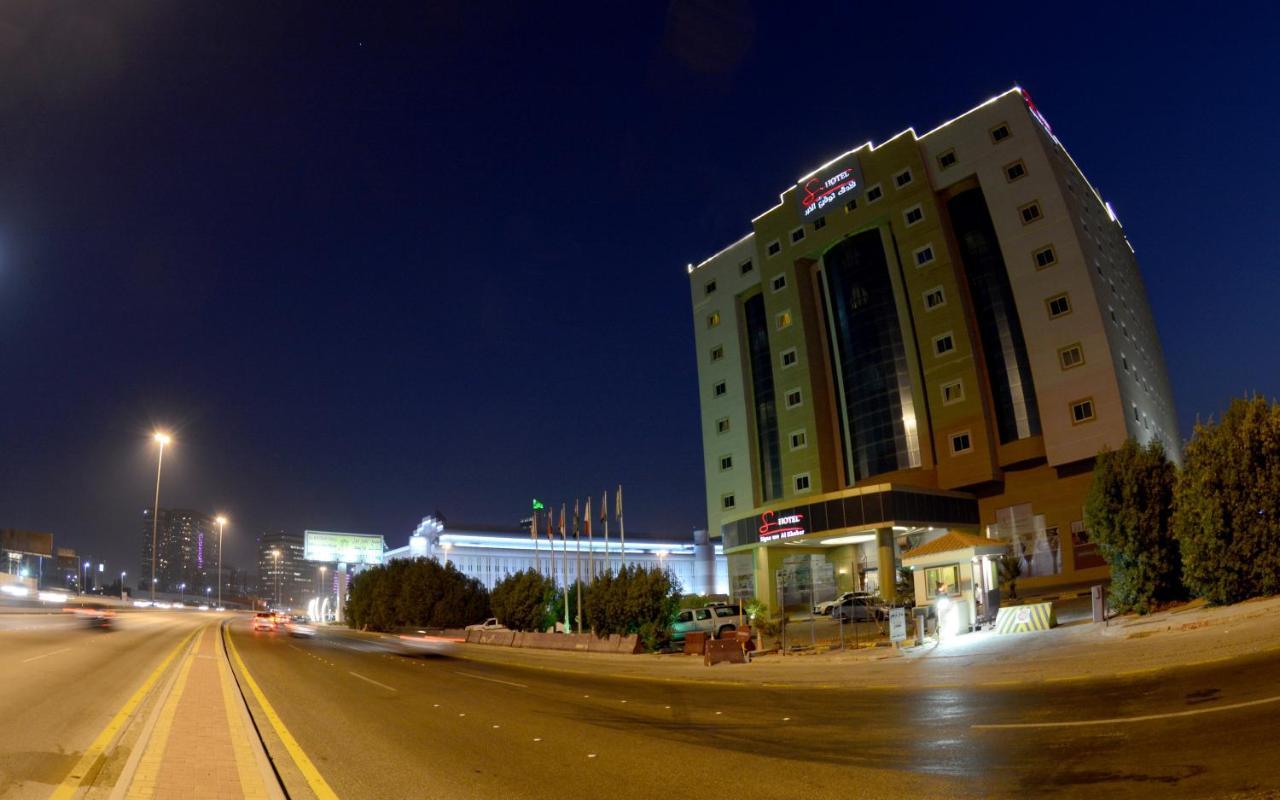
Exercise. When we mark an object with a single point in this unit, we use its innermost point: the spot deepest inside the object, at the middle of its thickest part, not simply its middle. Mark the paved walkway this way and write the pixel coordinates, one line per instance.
(197, 745)
(1189, 635)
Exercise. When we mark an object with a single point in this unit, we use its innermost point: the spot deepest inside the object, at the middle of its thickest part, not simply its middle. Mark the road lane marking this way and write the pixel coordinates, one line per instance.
(1119, 720)
(315, 780)
(70, 784)
(493, 680)
(371, 680)
(46, 655)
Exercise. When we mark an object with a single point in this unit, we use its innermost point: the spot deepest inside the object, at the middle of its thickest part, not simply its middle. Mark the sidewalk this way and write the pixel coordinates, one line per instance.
(197, 744)
(1129, 646)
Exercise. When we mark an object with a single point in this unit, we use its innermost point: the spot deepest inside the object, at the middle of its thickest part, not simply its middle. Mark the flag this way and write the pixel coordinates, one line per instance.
(591, 548)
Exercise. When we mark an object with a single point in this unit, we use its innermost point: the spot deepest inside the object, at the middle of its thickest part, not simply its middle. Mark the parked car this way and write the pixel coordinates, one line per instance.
(263, 621)
(863, 608)
(490, 624)
(824, 608)
(715, 620)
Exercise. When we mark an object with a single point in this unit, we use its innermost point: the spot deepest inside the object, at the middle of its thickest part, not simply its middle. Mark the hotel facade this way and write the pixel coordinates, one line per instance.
(933, 333)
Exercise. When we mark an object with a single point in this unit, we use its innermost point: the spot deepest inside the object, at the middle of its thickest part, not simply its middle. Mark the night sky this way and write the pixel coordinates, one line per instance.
(369, 264)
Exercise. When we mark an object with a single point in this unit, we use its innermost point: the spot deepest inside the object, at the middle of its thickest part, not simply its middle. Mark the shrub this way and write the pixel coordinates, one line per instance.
(1128, 514)
(1227, 505)
(415, 593)
(520, 601)
(635, 600)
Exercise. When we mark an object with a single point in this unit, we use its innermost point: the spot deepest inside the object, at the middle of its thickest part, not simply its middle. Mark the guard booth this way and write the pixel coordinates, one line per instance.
(953, 573)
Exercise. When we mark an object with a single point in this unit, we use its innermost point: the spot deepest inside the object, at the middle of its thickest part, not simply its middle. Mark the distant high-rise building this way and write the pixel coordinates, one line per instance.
(186, 542)
(286, 580)
(935, 332)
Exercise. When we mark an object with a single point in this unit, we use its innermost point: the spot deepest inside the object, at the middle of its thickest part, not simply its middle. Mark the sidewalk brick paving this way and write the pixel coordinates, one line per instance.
(199, 749)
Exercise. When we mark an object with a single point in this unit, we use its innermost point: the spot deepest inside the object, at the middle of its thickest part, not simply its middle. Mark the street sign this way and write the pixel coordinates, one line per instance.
(897, 624)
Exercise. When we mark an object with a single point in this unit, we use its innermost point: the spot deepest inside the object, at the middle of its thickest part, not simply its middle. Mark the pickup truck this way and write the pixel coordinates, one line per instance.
(714, 620)
(490, 624)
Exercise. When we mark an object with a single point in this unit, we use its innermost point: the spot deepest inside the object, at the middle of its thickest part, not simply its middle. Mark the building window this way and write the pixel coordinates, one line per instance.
(746, 267)
(799, 440)
(902, 178)
(778, 283)
(717, 352)
(934, 298)
(726, 463)
(1045, 257)
(942, 581)
(782, 319)
(1071, 356)
(727, 502)
(711, 286)
(1124, 362)
(947, 158)
(961, 443)
(797, 234)
(1059, 306)
(1082, 411)
(1000, 132)
(722, 425)
(913, 215)
(924, 255)
(943, 344)
(774, 248)
(819, 223)
(788, 357)
(800, 482)
(852, 205)
(1014, 171)
(1136, 416)
(713, 319)
(720, 389)
(874, 193)
(794, 399)
(952, 392)
(1030, 213)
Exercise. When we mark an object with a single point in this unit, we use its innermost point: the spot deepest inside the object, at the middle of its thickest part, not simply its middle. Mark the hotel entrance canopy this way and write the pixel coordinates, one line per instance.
(852, 516)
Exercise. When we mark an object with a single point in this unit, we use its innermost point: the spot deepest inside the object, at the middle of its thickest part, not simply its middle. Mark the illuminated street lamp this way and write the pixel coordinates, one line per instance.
(84, 584)
(222, 523)
(182, 594)
(161, 439)
(122, 585)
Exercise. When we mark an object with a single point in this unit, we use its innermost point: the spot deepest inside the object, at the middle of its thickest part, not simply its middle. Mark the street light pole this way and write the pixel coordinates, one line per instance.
(222, 523)
(182, 594)
(122, 585)
(84, 584)
(162, 439)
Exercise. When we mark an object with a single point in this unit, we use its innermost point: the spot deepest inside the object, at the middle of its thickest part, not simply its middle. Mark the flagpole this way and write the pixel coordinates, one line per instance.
(591, 547)
(604, 519)
(533, 530)
(577, 562)
(622, 530)
(564, 567)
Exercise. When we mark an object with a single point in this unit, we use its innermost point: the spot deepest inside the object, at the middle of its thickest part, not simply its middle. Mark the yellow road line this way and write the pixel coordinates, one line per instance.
(80, 771)
(308, 769)
(143, 785)
(251, 781)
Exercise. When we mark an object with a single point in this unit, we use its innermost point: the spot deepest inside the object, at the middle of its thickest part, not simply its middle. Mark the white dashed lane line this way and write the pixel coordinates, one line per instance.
(491, 680)
(371, 680)
(45, 655)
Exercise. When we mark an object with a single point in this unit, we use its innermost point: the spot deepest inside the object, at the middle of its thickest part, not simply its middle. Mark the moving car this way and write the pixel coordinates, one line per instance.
(714, 620)
(490, 624)
(297, 626)
(262, 621)
(861, 608)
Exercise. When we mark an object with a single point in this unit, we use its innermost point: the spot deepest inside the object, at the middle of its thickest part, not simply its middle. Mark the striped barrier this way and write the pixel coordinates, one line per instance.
(1021, 619)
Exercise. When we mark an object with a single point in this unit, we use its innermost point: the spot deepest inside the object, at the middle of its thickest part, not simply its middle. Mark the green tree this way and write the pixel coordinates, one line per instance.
(520, 601)
(1128, 513)
(418, 593)
(634, 600)
(1227, 504)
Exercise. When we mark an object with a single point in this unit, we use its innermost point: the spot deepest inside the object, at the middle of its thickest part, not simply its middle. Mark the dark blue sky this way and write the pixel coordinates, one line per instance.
(369, 264)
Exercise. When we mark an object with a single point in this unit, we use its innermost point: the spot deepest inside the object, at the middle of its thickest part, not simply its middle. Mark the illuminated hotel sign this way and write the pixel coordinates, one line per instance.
(818, 194)
(774, 527)
(351, 548)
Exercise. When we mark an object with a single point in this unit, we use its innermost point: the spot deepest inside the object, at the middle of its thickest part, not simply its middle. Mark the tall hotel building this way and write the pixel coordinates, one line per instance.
(934, 333)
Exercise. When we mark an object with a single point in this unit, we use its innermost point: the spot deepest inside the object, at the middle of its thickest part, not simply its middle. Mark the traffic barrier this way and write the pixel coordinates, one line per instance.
(695, 643)
(1022, 619)
(728, 650)
(580, 642)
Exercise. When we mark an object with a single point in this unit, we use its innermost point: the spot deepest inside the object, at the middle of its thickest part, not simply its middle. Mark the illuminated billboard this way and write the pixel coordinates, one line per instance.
(825, 190)
(349, 548)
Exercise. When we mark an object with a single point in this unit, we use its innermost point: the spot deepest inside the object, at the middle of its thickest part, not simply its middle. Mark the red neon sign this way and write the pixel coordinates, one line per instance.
(774, 527)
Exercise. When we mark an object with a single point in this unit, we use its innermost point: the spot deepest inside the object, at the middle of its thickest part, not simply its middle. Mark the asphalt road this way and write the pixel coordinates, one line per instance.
(381, 725)
(61, 683)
